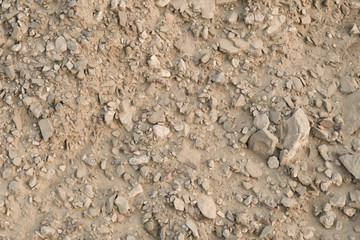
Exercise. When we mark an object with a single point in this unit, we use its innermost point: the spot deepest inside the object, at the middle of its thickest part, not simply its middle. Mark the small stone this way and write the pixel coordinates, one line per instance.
(123, 19)
(263, 142)
(338, 201)
(227, 46)
(354, 30)
(253, 169)
(273, 162)
(136, 191)
(241, 101)
(14, 186)
(36, 109)
(352, 164)
(327, 219)
(60, 44)
(81, 172)
(47, 231)
(162, 3)
(323, 151)
(296, 131)
(122, 205)
(32, 182)
(306, 20)
(179, 204)
(265, 231)
(160, 131)
(153, 62)
(261, 121)
(192, 226)
(109, 116)
(139, 160)
(207, 206)
(320, 133)
(45, 129)
(219, 78)
(289, 202)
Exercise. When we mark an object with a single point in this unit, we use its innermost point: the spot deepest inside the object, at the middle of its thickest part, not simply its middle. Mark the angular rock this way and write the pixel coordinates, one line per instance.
(127, 114)
(207, 206)
(350, 110)
(261, 121)
(263, 142)
(296, 131)
(60, 44)
(227, 46)
(136, 191)
(327, 219)
(122, 205)
(45, 129)
(36, 109)
(47, 231)
(160, 131)
(352, 164)
(139, 160)
(273, 162)
(192, 226)
(179, 204)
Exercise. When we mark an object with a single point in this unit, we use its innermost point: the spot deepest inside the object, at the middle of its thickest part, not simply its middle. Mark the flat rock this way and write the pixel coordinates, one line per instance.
(60, 44)
(206, 7)
(207, 206)
(296, 131)
(261, 121)
(263, 142)
(352, 164)
(45, 129)
(139, 160)
(192, 226)
(127, 114)
(122, 205)
(179, 204)
(253, 169)
(227, 46)
(350, 110)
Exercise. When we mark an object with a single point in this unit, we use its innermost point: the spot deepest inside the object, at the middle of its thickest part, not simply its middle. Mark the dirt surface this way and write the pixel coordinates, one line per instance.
(179, 119)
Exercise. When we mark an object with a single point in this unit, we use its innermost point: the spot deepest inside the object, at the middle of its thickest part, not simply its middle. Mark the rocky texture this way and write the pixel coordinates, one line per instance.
(352, 164)
(207, 206)
(263, 142)
(295, 134)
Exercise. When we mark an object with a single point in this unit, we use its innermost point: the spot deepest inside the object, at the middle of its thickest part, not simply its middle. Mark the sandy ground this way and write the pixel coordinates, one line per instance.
(179, 119)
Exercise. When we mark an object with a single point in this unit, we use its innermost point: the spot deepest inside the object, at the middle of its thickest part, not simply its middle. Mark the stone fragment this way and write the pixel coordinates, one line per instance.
(324, 152)
(122, 205)
(109, 116)
(206, 7)
(241, 101)
(261, 121)
(139, 160)
(266, 230)
(219, 78)
(348, 85)
(227, 46)
(160, 131)
(352, 164)
(304, 179)
(110, 203)
(207, 206)
(289, 202)
(354, 30)
(263, 142)
(306, 20)
(157, 117)
(327, 219)
(350, 110)
(273, 162)
(45, 129)
(153, 62)
(14, 186)
(32, 182)
(60, 44)
(36, 109)
(179, 204)
(253, 169)
(17, 120)
(47, 231)
(136, 191)
(320, 133)
(296, 131)
(162, 3)
(192, 226)
(127, 114)
(122, 18)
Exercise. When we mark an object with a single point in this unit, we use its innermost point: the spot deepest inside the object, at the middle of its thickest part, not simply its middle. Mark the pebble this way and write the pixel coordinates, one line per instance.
(296, 131)
(227, 46)
(160, 131)
(192, 226)
(45, 129)
(139, 160)
(136, 191)
(122, 205)
(153, 62)
(179, 204)
(263, 142)
(266, 230)
(207, 206)
(60, 44)
(253, 169)
(327, 219)
(47, 231)
(261, 121)
(14, 186)
(273, 162)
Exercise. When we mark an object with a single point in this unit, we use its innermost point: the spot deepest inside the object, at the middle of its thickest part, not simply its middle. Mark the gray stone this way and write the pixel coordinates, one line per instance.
(179, 204)
(289, 202)
(47, 231)
(273, 162)
(352, 164)
(160, 131)
(192, 226)
(253, 169)
(296, 131)
(261, 121)
(60, 44)
(263, 142)
(45, 129)
(265, 231)
(327, 219)
(227, 46)
(14, 186)
(350, 110)
(139, 160)
(36, 109)
(207, 206)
